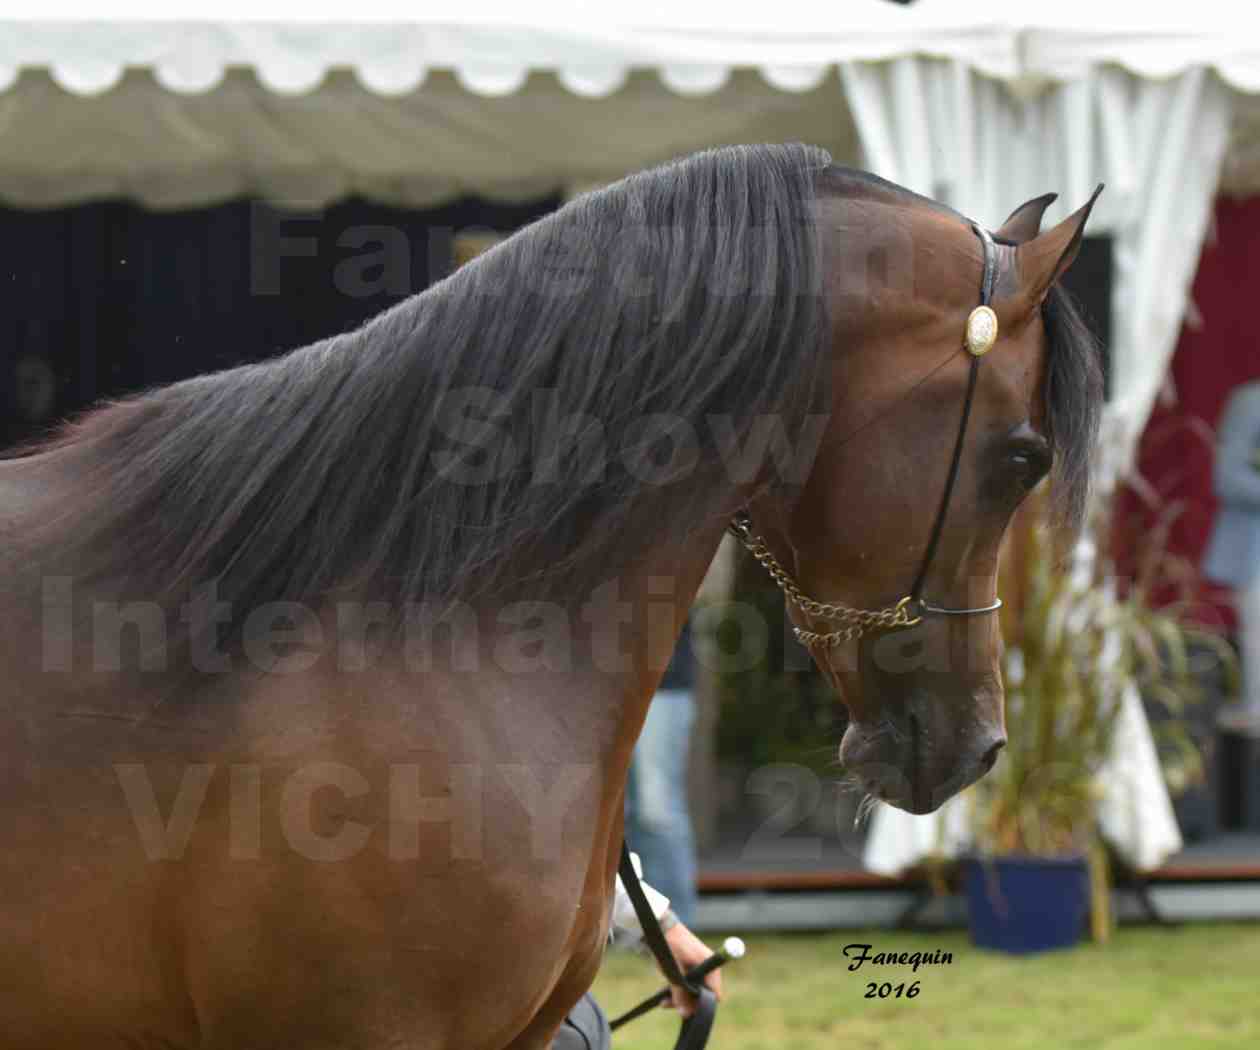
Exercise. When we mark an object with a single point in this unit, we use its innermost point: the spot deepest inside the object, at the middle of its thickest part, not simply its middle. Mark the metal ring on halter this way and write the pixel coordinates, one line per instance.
(980, 336)
(927, 609)
(905, 604)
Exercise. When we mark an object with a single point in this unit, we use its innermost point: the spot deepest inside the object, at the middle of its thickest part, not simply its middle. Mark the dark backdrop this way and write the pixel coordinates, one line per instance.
(108, 298)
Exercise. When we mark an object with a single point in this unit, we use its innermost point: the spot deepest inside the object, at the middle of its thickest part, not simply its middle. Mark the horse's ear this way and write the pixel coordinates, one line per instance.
(1024, 222)
(1043, 260)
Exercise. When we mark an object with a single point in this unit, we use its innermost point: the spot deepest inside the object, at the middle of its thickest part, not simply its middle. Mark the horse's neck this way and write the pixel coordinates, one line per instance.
(594, 662)
(658, 600)
(555, 684)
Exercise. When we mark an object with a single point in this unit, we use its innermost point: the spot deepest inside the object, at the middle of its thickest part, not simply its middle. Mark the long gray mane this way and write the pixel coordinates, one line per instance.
(501, 433)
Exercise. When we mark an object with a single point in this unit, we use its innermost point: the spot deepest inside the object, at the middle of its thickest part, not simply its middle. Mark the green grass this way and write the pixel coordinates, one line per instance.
(1192, 988)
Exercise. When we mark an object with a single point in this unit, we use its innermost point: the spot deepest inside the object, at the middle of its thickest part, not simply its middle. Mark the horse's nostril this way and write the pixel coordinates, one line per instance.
(991, 755)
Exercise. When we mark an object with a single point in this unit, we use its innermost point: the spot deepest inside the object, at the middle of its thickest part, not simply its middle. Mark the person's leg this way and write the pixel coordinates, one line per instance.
(1249, 646)
(658, 819)
(586, 1028)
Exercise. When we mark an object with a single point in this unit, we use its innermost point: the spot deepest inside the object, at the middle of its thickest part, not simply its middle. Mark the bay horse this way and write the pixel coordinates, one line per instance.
(321, 676)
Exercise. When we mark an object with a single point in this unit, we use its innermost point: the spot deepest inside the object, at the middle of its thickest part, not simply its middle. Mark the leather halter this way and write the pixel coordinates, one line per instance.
(982, 329)
(981, 334)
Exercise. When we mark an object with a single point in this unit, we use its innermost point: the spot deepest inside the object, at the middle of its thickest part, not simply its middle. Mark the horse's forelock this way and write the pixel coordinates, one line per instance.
(1073, 402)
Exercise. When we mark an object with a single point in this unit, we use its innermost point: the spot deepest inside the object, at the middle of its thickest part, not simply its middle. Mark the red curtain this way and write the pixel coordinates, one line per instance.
(1176, 453)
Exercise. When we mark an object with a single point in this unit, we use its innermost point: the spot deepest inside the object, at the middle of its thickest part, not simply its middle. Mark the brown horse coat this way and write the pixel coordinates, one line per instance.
(301, 818)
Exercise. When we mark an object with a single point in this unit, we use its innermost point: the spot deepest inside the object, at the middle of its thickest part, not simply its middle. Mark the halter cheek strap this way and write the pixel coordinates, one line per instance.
(981, 334)
(982, 330)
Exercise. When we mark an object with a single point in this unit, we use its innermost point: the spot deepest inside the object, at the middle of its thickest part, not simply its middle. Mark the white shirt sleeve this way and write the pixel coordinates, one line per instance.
(623, 916)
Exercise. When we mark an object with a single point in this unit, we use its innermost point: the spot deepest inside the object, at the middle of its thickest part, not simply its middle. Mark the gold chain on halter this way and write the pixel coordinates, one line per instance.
(855, 622)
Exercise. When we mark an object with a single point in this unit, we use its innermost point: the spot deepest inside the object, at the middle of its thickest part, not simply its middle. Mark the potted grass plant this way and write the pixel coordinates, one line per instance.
(1078, 642)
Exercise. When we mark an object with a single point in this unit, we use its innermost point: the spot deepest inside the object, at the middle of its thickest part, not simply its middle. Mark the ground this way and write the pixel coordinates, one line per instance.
(1191, 987)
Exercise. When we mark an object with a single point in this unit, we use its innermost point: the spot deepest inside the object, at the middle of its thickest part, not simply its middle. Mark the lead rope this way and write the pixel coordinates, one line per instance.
(694, 1033)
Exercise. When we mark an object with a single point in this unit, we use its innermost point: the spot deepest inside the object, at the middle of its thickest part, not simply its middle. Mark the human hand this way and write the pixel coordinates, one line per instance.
(690, 951)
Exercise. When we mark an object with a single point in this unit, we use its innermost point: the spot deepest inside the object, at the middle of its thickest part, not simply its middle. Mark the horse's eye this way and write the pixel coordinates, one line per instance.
(1029, 463)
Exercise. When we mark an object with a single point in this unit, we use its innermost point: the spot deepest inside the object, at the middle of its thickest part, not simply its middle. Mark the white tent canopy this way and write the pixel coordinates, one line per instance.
(492, 44)
(1153, 39)
(412, 105)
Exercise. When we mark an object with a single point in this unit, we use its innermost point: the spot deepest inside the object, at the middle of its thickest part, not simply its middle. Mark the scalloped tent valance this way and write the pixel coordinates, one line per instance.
(415, 104)
(490, 45)
(414, 107)
(172, 151)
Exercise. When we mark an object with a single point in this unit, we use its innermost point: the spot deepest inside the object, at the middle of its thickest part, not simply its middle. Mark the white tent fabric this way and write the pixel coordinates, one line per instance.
(493, 44)
(412, 105)
(170, 150)
(1066, 39)
(391, 44)
(974, 143)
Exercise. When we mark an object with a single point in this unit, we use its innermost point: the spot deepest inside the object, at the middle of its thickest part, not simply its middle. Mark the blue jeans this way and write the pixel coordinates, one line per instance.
(658, 821)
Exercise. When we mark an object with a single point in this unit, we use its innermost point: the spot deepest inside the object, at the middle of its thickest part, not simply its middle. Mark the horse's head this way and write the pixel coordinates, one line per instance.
(903, 276)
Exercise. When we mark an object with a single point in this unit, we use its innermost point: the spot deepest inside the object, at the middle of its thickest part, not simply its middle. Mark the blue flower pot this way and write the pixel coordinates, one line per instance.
(1027, 904)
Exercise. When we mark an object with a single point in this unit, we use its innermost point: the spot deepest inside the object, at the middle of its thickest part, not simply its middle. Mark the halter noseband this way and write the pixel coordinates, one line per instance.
(982, 331)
